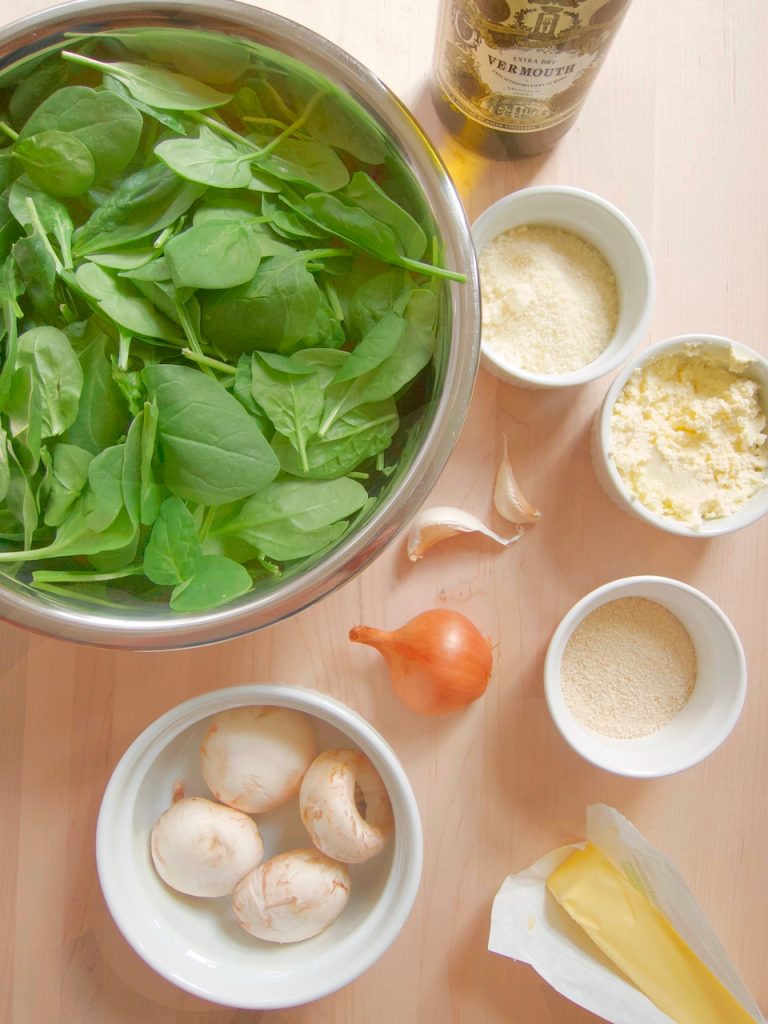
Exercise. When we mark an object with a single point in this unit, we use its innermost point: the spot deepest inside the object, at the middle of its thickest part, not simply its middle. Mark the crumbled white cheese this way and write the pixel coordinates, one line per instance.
(688, 437)
(549, 298)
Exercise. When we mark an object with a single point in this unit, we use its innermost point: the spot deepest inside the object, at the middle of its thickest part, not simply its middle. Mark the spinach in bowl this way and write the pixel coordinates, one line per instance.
(220, 301)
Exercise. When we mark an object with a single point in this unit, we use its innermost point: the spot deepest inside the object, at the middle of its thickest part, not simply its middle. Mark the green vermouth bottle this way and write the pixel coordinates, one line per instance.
(510, 77)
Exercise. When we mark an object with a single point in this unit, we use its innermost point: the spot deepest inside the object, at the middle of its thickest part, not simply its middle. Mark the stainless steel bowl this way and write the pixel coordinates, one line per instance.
(154, 627)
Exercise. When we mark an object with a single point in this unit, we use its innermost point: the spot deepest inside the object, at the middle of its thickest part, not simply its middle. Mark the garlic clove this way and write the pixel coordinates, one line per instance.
(507, 496)
(432, 525)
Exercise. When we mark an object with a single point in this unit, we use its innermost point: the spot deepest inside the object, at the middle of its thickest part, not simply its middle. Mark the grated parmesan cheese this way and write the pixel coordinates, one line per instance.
(550, 301)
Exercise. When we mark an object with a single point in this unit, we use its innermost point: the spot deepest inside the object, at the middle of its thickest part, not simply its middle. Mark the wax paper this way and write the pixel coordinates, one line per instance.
(529, 925)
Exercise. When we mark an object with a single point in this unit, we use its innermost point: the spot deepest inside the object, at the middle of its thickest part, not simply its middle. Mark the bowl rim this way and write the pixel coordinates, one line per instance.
(166, 630)
(595, 369)
(155, 737)
(599, 596)
(678, 343)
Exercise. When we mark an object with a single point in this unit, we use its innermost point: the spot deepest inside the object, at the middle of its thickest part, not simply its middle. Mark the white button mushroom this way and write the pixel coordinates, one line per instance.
(202, 848)
(254, 758)
(328, 802)
(291, 897)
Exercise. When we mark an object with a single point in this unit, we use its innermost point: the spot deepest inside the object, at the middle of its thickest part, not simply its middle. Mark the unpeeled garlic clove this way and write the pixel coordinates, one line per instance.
(508, 498)
(432, 525)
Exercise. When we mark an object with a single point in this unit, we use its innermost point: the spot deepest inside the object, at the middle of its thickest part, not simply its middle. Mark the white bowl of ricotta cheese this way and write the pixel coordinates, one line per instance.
(681, 438)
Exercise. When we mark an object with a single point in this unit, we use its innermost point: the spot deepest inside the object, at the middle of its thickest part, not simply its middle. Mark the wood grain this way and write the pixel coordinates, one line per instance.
(674, 134)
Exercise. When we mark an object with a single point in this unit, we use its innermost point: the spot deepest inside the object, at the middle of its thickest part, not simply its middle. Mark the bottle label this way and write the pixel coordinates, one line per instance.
(520, 67)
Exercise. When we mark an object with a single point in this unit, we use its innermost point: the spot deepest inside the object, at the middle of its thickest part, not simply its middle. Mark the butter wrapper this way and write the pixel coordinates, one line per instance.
(529, 925)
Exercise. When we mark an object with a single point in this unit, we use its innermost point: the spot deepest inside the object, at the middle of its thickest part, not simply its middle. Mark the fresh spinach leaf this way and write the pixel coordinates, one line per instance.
(84, 575)
(343, 217)
(173, 549)
(9, 227)
(286, 364)
(162, 296)
(33, 88)
(37, 267)
(53, 365)
(58, 163)
(217, 60)
(156, 270)
(278, 310)
(35, 209)
(175, 123)
(208, 160)
(103, 501)
(151, 491)
(5, 466)
(363, 192)
(130, 474)
(25, 418)
(117, 558)
(306, 162)
(216, 581)
(102, 415)
(288, 224)
(130, 385)
(294, 404)
(126, 259)
(142, 204)
(107, 125)
(21, 499)
(211, 450)
(157, 86)
(216, 254)
(74, 537)
(224, 204)
(10, 290)
(242, 389)
(294, 518)
(117, 300)
(376, 296)
(69, 475)
(358, 435)
(331, 121)
(410, 357)
(381, 340)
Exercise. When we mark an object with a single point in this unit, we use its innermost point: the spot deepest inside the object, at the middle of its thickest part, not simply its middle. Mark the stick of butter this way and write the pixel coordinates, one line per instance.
(640, 941)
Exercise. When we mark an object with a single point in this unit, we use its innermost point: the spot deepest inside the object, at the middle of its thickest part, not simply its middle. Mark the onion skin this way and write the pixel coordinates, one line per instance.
(438, 662)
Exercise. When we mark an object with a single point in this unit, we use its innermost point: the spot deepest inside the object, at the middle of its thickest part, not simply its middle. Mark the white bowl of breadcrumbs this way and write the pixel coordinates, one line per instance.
(645, 676)
(566, 285)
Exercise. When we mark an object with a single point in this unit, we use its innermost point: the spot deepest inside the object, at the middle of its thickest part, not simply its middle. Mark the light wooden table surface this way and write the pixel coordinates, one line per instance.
(674, 134)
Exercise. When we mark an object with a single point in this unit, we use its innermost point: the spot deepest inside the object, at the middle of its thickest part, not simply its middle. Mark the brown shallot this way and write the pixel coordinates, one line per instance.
(438, 662)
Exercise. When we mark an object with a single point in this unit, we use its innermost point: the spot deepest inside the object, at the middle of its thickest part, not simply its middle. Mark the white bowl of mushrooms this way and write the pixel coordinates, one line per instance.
(259, 846)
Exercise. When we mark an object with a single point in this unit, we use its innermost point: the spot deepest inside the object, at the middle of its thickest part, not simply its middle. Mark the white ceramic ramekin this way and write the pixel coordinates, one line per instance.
(197, 944)
(613, 234)
(755, 366)
(712, 709)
